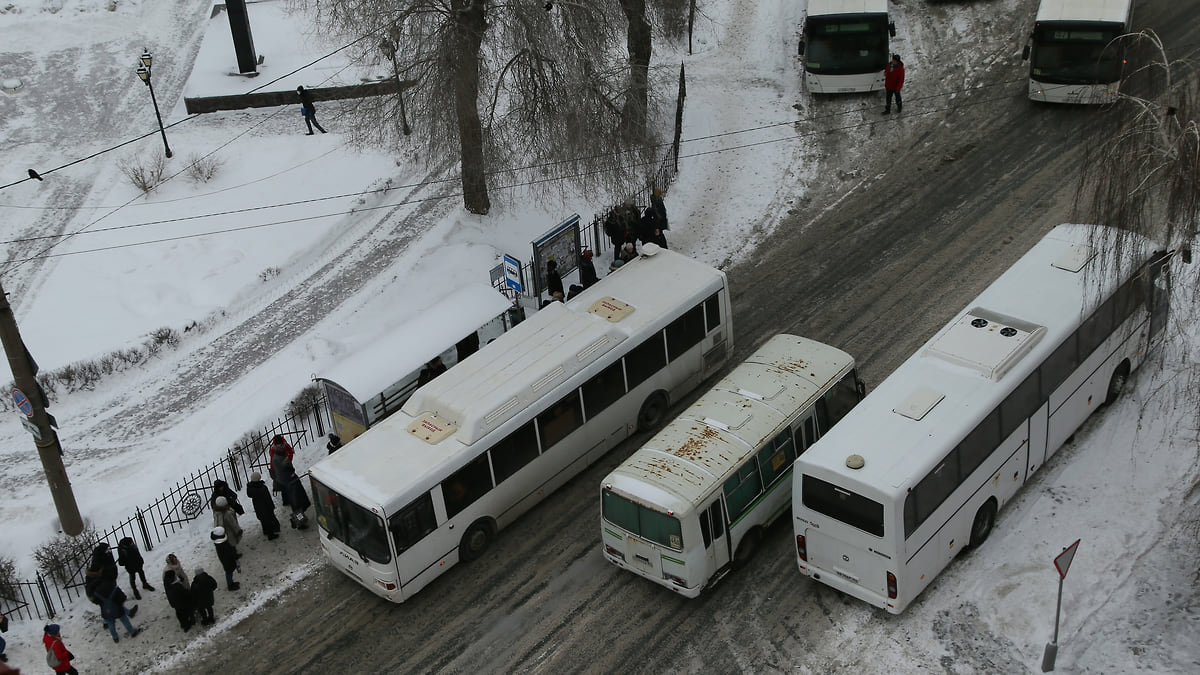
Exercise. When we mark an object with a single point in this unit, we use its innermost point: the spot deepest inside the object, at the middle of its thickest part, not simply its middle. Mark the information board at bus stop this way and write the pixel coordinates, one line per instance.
(561, 245)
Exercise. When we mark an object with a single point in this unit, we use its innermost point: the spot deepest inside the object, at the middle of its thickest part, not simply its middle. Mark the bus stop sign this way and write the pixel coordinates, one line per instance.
(22, 402)
(1062, 562)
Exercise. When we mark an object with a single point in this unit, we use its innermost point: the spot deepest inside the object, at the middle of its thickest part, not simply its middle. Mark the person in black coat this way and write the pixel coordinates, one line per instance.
(293, 487)
(554, 282)
(587, 270)
(222, 489)
(180, 599)
(335, 441)
(129, 557)
(227, 554)
(101, 571)
(308, 110)
(264, 506)
(203, 586)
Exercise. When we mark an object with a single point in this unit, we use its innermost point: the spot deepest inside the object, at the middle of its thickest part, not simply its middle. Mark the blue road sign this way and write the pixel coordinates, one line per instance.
(22, 402)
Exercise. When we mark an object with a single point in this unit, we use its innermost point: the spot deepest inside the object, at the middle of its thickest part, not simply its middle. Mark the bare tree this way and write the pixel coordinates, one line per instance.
(497, 84)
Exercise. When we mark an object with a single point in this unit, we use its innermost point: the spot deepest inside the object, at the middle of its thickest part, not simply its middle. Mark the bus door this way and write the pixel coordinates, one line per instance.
(716, 537)
(1160, 294)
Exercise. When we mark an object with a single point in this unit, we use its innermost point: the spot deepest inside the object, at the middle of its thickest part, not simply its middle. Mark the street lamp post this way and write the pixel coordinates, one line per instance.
(143, 72)
(389, 48)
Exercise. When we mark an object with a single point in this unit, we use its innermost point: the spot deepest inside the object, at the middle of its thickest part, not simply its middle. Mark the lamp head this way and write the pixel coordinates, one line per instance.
(144, 73)
(146, 58)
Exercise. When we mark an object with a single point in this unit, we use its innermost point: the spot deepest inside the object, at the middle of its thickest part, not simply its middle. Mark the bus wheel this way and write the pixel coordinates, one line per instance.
(653, 411)
(475, 541)
(985, 518)
(1116, 385)
(745, 550)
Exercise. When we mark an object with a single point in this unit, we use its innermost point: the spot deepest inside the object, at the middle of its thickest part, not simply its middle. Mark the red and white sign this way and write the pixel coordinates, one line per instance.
(1062, 562)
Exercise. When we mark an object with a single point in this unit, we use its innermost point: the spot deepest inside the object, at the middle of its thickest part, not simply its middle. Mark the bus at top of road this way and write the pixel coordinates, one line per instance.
(845, 45)
(693, 501)
(918, 470)
(1073, 56)
(472, 450)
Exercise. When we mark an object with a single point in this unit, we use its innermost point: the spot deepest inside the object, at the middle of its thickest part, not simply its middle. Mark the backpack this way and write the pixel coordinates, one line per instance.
(52, 658)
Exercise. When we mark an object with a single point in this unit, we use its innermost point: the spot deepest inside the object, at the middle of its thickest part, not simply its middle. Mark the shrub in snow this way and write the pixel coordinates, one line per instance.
(64, 555)
(202, 168)
(144, 175)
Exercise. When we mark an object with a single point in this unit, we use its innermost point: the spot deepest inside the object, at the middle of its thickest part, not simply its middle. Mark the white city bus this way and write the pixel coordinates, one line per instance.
(845, 45)
(918, 470)
(1073, 54)
(475, 448)
(693, 501)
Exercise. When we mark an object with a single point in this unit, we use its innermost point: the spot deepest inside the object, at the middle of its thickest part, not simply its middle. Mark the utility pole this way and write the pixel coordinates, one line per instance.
(31, 402)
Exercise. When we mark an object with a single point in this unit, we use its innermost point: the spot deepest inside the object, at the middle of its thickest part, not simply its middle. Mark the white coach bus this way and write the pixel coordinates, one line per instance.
(472, 450)
(845, 45)
(1073, 54)
(918, 470)
(693, 501)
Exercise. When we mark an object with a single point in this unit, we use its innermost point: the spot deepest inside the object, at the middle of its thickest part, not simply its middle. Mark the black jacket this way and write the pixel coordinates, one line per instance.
(260, 497)
(228, 555)
(128, 555)
(177, 594)
(203, 586)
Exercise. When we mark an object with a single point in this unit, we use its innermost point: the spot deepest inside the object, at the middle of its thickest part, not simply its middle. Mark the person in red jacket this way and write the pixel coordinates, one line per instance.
(893, 80)
(53, 642)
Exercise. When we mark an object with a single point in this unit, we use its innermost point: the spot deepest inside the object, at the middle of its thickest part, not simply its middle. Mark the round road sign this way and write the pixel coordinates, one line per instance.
(22, 402)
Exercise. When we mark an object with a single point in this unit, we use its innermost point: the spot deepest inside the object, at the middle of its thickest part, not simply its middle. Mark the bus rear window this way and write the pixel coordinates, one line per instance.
(642, 521)
(841, 504)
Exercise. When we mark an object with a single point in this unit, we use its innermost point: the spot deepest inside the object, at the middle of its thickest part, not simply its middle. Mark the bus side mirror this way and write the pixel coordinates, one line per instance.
(892, 28)
(1025, 53)
(800, 48)
(861, 388)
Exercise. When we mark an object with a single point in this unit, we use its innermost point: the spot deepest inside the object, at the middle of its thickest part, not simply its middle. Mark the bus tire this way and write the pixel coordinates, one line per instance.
(653, 411)
(981, 527)
(1116, 384)
(476, 540)
(747, 547)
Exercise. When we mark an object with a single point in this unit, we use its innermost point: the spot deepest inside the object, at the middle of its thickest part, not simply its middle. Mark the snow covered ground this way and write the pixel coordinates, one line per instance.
(134, 266)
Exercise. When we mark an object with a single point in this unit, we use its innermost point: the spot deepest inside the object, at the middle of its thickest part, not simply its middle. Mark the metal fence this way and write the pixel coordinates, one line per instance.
(154, 523)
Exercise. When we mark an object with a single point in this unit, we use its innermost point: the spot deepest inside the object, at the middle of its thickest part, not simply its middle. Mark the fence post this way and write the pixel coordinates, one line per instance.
(317, 416)
(141, 521)
(45, 592)
(233, 471)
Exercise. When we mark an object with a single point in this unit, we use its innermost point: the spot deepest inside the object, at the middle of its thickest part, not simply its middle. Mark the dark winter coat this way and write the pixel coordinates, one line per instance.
(178, 595)
(893, 76)
(202, 590)
(306, 101)
(614, 227)
(587, 271)
(222, 489)
(112, 602)
(101, 572)
(260, 498)
(228, 556)
(554, 282)
(660, 209)
(128, 555)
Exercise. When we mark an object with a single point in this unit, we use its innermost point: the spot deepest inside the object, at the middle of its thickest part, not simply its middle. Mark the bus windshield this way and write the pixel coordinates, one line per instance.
(641, 521)
(351, 524)
(1066, 53)
(848, 507)
(847, 44)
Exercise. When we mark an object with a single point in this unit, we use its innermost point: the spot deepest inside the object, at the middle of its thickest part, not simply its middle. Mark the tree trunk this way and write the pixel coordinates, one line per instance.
(638, 43)
(469, 24)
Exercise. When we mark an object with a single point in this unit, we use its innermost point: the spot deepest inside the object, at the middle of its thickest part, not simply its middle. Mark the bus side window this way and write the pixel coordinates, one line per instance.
(705, 529)
(466, 485)
(412, 523)
(514, 451)
(645, 359)
(810, 431)
(742, 488)
(712, 312)
(776, 457)
(685, 332)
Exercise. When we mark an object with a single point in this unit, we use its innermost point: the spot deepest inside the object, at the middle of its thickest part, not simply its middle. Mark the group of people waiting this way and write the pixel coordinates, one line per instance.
(625, 227)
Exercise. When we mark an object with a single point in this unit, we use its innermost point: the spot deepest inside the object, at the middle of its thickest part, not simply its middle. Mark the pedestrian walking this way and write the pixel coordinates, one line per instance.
(893, 81)
(129, 557)
(203, 587)
(112, 609)
(228, 556)
(222, 489)
(3, 644)
(58, 656)
(179, 597)
(660, 208)
(264, 506)
(224, 516)
(309, 111)
(175, 566)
